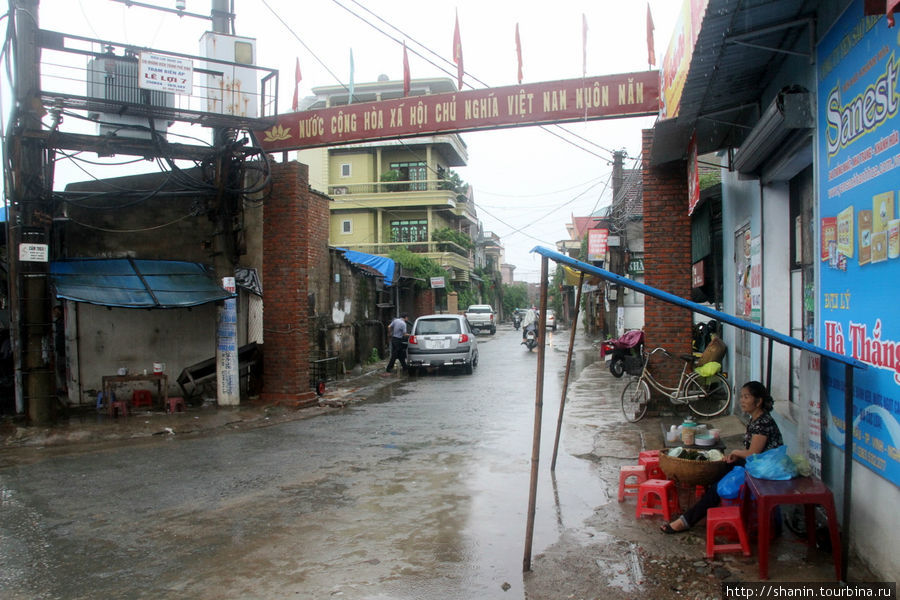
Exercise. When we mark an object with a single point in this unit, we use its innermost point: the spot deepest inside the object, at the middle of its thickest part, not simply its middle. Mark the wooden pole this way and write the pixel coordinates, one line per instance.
(565, 388)
(848, 471)
(538, 407)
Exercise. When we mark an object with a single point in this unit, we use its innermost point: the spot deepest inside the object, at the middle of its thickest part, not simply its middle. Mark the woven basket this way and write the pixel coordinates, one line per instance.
(691, 472)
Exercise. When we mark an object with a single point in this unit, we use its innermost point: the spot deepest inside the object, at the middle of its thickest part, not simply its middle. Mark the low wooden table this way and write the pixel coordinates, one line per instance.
(161, 379)
(807, 491)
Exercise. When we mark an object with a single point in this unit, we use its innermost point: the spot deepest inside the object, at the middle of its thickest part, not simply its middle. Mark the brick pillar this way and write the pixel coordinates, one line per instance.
(667, 257)
(290, 212)
(423, 303)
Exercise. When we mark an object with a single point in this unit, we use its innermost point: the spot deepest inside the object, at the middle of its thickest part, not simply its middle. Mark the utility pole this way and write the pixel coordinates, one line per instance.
(227, 360)
(616, 253)
(28, 228)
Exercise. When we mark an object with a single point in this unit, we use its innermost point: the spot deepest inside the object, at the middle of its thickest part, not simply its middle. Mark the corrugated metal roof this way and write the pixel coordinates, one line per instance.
(733, 59)
(133, 283)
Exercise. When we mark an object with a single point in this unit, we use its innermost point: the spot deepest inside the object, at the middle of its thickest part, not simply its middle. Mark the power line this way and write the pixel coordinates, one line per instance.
(473, 77)
(302, 43)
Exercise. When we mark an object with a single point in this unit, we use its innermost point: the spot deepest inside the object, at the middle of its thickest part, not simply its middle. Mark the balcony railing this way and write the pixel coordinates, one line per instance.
(447, 254)
(392, 187)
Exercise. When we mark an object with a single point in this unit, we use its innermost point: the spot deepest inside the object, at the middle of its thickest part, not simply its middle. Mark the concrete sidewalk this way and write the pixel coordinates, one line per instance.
(629, 557)
(85, 426)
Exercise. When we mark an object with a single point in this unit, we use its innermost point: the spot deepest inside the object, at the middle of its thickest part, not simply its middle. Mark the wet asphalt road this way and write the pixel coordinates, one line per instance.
(420, 491)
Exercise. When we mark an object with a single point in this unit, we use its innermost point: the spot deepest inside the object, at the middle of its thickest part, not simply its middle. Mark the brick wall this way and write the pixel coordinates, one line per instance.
(423, 303)
(292, 212)
(667, 257)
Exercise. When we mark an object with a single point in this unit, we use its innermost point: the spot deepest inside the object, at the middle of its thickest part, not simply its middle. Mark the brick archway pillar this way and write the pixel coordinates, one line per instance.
(667, 257)
(292, 231)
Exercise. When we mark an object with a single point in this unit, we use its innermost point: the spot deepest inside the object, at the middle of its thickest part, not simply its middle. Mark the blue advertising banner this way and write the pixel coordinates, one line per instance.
(859, 232)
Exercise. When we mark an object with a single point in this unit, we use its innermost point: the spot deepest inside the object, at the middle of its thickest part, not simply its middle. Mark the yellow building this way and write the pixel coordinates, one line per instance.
(395, 193)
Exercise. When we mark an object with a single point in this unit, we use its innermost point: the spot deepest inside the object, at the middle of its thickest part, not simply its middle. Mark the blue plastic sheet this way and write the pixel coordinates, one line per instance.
(772, 464)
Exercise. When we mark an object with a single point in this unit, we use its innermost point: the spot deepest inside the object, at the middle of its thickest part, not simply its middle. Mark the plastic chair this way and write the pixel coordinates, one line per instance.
(118, 407)
(175, 404)
(638, 472)
(650, 460)
(657, 497)
(728, 516)
(141, 398)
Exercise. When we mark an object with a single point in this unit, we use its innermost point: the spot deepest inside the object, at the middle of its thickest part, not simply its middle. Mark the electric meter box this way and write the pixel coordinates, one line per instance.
(231, 89)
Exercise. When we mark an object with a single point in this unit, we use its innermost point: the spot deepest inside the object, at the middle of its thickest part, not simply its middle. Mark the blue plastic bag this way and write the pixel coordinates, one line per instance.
(772, 464)
(730, 485)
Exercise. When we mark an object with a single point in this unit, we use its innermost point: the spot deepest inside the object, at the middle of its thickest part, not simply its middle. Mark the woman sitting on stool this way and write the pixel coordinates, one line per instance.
(762, 434)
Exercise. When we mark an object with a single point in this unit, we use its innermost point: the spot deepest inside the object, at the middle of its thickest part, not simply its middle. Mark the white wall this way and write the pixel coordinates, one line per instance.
(776, 273)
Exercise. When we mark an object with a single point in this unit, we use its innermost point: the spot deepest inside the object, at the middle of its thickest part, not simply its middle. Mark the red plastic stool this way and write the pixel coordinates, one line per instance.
(118, 407)
(651, 462)
(657, 497)
(141, 398)
(639, 472)
(175, 404)
(725, 516)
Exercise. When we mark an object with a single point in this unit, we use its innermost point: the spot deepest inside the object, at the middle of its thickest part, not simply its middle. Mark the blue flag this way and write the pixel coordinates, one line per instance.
(350, 100)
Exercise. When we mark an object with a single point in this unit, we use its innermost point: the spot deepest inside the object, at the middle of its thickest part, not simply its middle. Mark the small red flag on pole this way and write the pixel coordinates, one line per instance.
(405, 71)
(295, 104)
(651, 50)
(457, 54)
(519, 53)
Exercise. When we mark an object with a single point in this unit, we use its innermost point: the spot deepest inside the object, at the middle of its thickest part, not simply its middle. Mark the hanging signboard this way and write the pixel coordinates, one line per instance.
(697, 274)
(438, 282)
(693, 176)
(677, 60)
(603, 97)
(859, 234)
(597, 244)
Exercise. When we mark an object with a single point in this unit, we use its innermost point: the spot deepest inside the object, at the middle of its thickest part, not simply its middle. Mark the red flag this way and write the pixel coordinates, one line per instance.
(519, 53)
(651, 50)
(405, 71)
(457, 54)
(295, 105)
(583, 45)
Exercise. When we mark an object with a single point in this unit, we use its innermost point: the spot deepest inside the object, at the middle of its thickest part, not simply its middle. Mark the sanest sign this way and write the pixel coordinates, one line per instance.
(604, 97)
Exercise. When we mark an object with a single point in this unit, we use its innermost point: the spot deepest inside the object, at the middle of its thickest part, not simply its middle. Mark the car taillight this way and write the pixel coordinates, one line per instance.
(492, 316)
(463, 338)
(412, 339)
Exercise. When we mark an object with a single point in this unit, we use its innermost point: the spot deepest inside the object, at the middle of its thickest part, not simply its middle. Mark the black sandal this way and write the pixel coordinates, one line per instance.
(669, 530)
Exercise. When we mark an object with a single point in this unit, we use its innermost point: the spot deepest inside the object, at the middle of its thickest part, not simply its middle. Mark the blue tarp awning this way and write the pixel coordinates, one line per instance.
(133, 283)
(385, 266)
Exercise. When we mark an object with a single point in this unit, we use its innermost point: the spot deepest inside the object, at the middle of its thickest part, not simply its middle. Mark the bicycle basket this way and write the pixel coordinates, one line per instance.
(634, 365)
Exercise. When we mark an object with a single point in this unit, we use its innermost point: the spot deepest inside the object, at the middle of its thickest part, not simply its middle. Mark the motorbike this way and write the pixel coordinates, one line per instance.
(530, 339)
(702, 333)
(625, 353)
(517, 320)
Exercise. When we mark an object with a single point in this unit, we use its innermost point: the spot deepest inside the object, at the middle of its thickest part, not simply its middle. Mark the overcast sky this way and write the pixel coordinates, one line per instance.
(527, 181)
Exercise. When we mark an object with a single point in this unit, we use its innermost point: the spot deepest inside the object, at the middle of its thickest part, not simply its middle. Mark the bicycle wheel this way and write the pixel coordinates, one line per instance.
(708, 396)
(635, 398)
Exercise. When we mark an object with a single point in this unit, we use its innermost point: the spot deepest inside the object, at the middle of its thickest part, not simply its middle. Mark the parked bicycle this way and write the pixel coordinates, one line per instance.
(705, 396)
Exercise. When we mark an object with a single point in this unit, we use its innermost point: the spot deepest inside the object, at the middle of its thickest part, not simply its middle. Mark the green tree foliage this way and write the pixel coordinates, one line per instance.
(514, 296)
(418, 266)
(466, 297)
(452, 181)
(445, 234)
